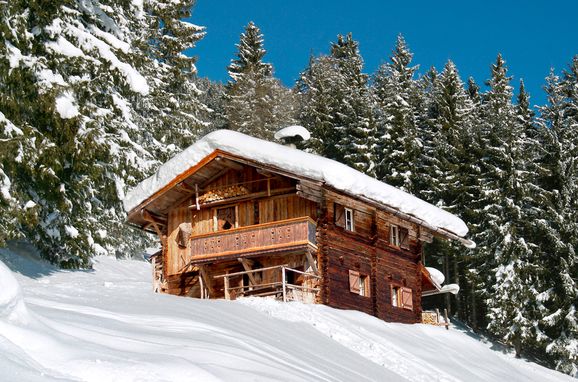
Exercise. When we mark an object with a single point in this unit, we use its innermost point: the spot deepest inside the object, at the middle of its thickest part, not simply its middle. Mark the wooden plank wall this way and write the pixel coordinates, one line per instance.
(367, 250)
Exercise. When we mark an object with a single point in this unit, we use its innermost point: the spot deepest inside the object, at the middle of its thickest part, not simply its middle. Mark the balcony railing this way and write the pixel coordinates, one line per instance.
(276, 236)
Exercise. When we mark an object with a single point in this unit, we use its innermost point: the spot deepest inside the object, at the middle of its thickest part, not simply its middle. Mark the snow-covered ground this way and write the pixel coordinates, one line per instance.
(107, 325)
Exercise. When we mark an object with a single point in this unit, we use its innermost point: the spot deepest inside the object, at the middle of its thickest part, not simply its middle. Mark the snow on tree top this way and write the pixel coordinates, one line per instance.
(293, 131)
(332, 173)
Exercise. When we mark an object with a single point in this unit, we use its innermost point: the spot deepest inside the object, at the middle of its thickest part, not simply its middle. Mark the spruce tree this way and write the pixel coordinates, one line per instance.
(173, 115)
(317, 89)
(76, 77)
(559, 290)
(398, 146)
(256, 103)
(336, 105)
(505, 247)
(353, 119)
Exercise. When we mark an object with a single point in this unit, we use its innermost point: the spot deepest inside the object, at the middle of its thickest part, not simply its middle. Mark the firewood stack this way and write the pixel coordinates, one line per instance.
(223, 193)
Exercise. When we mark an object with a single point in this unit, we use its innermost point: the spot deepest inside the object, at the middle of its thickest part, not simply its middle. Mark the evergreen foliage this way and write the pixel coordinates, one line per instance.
(256, 103)
(337, 107)
(74, 86)
(398, 145)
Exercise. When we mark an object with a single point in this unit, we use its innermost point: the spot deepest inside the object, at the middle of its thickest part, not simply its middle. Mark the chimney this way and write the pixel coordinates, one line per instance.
(292, 135)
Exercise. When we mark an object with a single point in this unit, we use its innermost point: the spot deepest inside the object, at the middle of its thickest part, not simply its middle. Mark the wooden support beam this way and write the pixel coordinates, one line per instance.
(182, 186)
(206, 280)
(202, 284)
(312, 262)
(255, 195)
(248, 268)
(227, 294)
(153, 218)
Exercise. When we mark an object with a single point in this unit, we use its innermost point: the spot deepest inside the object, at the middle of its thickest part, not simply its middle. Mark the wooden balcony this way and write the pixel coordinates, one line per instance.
(280, 236)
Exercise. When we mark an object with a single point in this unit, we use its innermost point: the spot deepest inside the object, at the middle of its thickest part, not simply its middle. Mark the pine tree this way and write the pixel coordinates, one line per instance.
(559, 291)
(213, 96)
(75, 77)
(257, 103)
(505, 246)
(174, 115)
(317, 88)
(398, 146)
(336, 105)
(446, 166)
(353, 119)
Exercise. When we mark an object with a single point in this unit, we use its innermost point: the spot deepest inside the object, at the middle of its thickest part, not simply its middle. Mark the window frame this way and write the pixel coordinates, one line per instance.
(395, 298)
(394, 235)
(359, 283)
(215, 212)
(397, 301)
(349, 218)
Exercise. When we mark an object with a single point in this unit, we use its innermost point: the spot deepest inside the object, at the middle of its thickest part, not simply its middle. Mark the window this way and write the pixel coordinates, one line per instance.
(349, 219)
(398, 236)
(358, 283)
(395, 296)
(344, 217)
(225, 218)
(402, 297)
(394, 235)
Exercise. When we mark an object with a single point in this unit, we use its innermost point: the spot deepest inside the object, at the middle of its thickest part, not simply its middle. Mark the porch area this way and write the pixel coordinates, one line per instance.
(294, 285)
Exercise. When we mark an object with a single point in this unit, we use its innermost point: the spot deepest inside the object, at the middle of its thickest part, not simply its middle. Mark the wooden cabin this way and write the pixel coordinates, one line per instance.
(237, 216)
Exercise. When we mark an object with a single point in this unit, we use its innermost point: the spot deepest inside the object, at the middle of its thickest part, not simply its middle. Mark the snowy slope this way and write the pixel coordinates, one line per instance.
(107, 325)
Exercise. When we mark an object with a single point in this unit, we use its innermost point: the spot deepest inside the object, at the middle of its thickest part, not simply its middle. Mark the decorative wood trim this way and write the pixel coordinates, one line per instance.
(258, 226)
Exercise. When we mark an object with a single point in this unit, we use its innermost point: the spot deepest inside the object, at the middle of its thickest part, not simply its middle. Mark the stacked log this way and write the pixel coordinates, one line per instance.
(223, 193)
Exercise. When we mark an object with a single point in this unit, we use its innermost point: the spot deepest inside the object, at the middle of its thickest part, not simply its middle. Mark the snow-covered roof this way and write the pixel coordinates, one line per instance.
(332, 173)
(293, 131)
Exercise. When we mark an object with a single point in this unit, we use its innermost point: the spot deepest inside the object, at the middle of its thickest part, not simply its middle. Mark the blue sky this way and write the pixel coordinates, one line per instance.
(531, 35)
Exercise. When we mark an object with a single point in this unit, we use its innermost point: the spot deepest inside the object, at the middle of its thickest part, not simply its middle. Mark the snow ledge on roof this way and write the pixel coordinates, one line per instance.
(334, 174)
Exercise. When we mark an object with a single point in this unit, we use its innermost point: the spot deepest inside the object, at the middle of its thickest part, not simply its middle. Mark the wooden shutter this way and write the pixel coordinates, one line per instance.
(339, 215)
(406, 298)
(404, 238)
(354, 281)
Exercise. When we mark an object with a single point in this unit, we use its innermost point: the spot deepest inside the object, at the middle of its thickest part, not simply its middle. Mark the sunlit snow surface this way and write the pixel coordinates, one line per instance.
(311, 166)
(107, 325)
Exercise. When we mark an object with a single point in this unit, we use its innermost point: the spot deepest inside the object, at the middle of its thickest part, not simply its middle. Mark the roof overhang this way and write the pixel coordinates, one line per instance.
(185, 184)
(194, 179)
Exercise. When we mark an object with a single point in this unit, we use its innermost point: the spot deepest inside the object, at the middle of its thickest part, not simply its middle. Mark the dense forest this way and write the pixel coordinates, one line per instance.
(94, 95)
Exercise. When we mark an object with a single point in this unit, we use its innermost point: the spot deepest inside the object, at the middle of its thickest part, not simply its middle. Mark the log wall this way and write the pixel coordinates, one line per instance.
(367, 250)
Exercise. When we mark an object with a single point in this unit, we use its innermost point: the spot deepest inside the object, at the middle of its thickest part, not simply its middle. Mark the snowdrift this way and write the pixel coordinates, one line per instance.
(107, 325)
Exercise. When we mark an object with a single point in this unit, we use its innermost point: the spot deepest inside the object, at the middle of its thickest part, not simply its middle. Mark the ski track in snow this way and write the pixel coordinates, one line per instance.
(106, 325)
